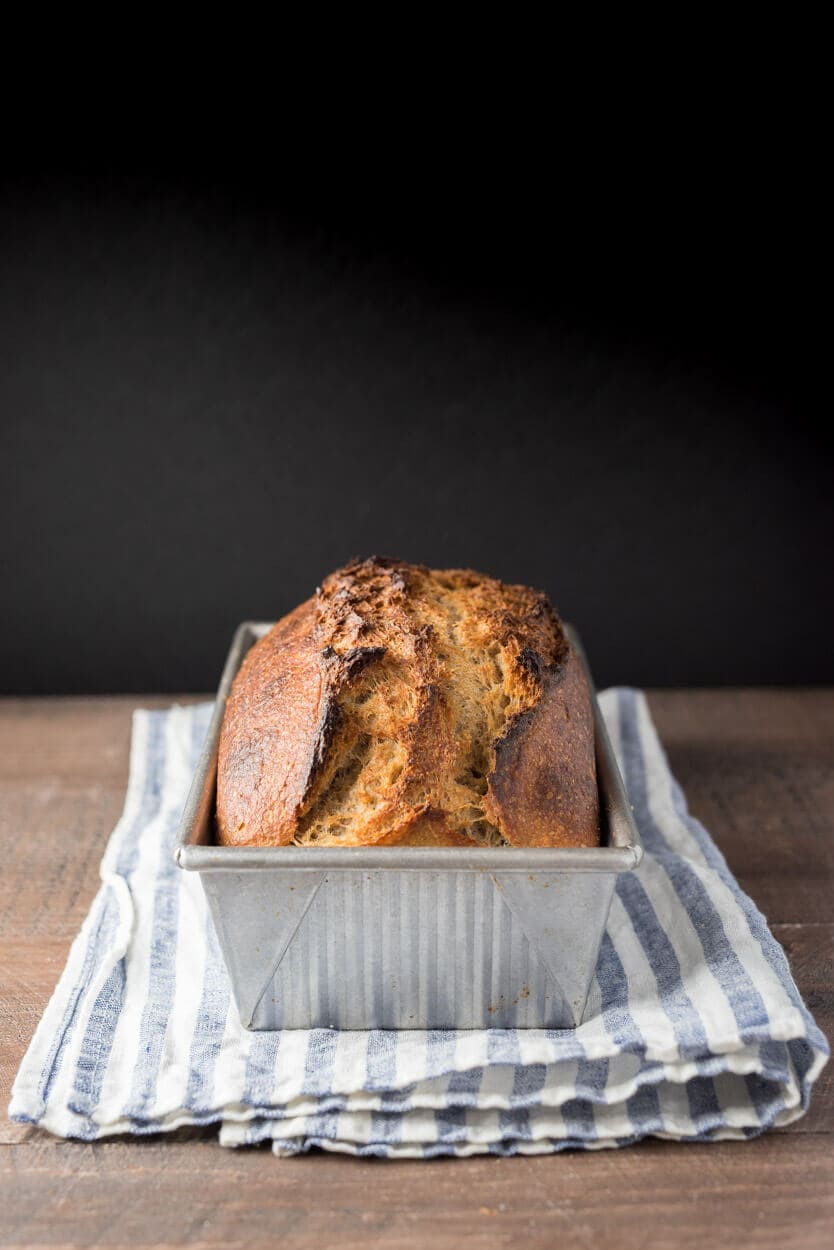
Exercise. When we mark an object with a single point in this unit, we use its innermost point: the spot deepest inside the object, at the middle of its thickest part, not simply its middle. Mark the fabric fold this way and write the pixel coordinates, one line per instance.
(694, 1028)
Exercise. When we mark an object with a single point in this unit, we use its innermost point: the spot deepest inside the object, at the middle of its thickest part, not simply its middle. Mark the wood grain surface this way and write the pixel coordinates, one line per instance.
(758, 769)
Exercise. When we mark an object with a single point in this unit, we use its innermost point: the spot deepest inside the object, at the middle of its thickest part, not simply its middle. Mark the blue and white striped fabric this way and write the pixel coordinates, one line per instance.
(694, 1028)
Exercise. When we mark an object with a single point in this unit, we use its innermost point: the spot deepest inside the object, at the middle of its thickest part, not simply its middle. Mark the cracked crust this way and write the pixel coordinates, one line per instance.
(414, 706)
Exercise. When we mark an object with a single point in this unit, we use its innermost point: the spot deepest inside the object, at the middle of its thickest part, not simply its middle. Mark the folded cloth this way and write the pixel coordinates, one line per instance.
(694, 1029)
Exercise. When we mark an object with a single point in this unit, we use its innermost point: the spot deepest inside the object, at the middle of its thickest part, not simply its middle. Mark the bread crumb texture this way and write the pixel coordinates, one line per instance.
(413, 706)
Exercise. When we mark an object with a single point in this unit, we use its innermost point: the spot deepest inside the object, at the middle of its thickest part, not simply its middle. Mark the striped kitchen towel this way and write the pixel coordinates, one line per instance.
(694, 1029)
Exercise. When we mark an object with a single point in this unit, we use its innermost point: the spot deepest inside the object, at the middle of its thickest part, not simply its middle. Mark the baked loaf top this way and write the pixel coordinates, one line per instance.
(415, 706)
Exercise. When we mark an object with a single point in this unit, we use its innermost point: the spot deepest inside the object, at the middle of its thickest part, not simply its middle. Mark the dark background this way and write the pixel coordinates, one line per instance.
(215, 389)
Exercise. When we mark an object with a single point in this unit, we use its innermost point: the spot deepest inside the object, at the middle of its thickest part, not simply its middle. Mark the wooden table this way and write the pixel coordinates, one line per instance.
(758, 768)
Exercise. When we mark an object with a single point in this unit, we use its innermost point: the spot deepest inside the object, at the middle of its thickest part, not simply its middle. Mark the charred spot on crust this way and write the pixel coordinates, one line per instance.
(531, 662)
(355, 660)
(358, 657)
(514, 731)
(329, 721)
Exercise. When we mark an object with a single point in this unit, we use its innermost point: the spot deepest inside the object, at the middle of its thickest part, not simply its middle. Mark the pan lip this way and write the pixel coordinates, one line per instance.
(622, 854)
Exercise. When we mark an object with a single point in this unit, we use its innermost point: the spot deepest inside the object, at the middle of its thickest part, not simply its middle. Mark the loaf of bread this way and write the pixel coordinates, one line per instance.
(413, 706)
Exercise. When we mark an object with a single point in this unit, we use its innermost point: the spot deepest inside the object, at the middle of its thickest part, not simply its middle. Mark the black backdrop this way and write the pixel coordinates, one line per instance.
(214, 390)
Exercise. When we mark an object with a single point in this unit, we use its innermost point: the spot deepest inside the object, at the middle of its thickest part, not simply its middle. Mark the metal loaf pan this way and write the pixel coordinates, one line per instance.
(406, 937)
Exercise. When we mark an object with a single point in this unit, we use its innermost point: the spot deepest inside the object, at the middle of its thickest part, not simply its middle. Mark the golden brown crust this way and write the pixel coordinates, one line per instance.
(543, 789)
(270, 730)
(410, 706)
